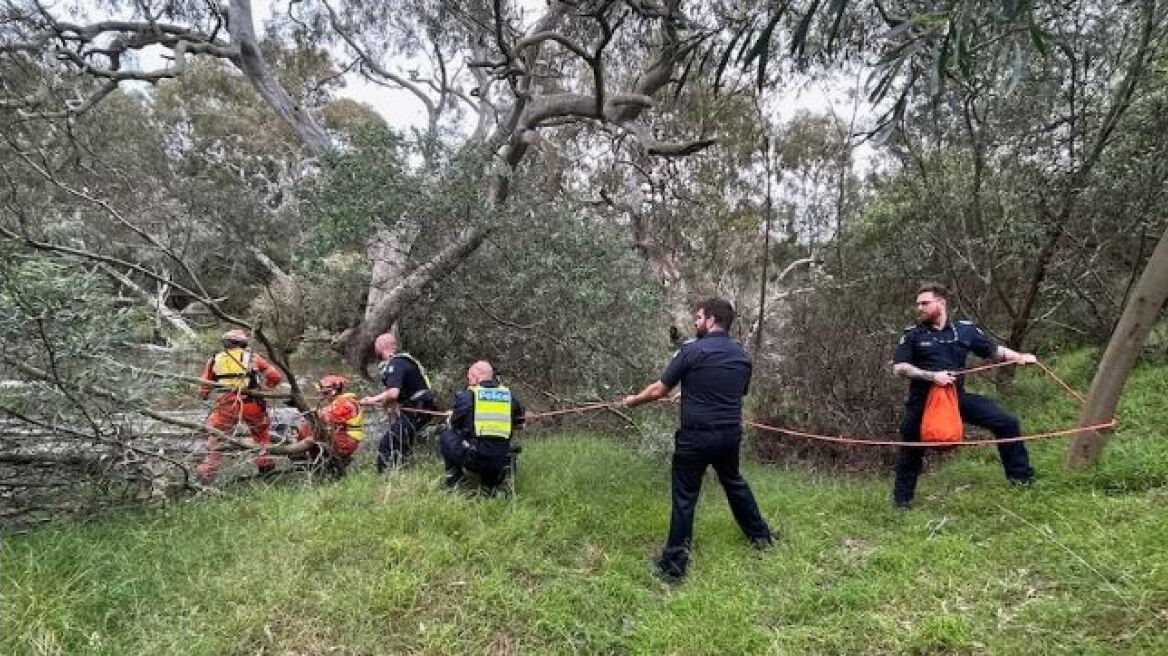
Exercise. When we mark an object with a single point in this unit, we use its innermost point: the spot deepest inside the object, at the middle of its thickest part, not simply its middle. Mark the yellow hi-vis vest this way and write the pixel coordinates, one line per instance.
(492, 411)
(354, 426)
(421, 369)
(233, 369)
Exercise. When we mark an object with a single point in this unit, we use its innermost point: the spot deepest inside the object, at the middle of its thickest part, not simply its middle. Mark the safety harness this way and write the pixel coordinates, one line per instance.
(233, 369)
(421, 370)
(354, 426)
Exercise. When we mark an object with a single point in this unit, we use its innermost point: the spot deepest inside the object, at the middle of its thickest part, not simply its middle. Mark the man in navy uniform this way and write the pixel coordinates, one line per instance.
(928, 353)
(483, 418)
(714, 373)
(407, 387)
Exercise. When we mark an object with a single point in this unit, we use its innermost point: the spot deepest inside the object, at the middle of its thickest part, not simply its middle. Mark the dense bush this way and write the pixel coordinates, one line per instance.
(562, 307)
(831, 374)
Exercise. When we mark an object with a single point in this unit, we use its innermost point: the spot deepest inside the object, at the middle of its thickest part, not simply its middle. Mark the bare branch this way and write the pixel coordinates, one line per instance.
(666, 149)
(369, 63)
(66, 430)
(166, 313)
(99, 392)
(549, 35)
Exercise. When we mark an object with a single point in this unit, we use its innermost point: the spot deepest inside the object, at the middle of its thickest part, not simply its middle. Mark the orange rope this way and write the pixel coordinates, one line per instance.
(565, 411)
(835, 439)
(839, 439)
(1067, 388)
(532, 416)
(984, 367)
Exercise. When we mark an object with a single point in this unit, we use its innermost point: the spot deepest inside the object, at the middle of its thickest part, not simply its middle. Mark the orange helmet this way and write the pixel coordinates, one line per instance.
(332, 382)
(236, 336)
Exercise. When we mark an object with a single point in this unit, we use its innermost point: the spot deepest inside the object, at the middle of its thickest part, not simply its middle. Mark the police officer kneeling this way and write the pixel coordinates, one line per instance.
(482, 420)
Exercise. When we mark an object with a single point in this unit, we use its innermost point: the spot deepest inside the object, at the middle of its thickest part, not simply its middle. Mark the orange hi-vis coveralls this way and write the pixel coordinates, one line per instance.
(235, 370)
(345, 424)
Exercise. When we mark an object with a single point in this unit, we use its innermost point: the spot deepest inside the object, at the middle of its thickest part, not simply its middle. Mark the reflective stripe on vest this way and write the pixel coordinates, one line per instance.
(354, 426)
(421, 369)
(492, 411)
(232, 369)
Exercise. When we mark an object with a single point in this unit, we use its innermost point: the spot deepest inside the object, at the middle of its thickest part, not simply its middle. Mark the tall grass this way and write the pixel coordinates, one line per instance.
(1076, 564)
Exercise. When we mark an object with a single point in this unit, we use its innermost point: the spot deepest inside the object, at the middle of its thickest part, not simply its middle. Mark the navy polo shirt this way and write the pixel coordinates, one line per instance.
(945, 349)
(714, 373)
(400, 372)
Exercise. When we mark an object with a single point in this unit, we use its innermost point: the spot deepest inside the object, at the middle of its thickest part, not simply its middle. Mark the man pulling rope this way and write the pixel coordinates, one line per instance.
(928, 354)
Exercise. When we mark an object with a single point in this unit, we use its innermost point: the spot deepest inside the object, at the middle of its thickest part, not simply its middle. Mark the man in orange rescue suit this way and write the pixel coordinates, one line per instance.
(342, 417)
(233, 371)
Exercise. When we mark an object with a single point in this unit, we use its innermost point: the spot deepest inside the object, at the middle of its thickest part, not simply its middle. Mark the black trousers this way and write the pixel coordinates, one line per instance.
(487, 458)
(398, 440)
(975, 409)
(694, 451)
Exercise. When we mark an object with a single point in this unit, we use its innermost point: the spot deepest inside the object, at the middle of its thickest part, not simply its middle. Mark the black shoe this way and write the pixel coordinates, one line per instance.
(451, 479)
(669, 576)
(902, 504)
(1021, 482)
(764, 543)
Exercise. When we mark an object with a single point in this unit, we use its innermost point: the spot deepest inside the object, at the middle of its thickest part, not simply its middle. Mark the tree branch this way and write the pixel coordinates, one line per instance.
(432, 109)
(56, 428)
(141, 409)
(166, 313)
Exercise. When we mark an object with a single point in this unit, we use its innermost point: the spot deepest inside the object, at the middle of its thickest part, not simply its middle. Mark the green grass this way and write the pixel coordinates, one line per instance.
(1076, 565)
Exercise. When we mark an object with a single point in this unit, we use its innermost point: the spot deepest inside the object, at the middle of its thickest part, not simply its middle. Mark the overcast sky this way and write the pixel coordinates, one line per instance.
(402, 110)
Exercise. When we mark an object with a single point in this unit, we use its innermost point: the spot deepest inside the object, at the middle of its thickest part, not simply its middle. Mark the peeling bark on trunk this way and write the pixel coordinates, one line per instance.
(358, 345)
(388, 251)
(1139, 316)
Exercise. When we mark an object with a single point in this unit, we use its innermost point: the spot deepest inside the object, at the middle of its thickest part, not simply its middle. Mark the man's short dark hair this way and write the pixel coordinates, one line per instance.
(934, 288)
(718, 308)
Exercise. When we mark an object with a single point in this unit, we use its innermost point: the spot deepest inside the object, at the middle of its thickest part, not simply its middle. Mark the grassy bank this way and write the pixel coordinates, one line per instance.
(1077, 564)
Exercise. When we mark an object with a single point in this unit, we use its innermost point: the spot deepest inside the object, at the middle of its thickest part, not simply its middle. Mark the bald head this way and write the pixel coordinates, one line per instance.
(479, 372)
(385, 345)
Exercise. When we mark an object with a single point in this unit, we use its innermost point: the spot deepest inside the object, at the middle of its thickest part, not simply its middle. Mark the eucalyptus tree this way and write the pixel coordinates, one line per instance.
(1045, 135)
(599, 62)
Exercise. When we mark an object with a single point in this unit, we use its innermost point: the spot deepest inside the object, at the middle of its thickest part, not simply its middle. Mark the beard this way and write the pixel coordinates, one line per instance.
(700, 332)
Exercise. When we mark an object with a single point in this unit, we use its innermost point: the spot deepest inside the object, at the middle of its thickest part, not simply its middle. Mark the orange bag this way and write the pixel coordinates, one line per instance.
(942, 420)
